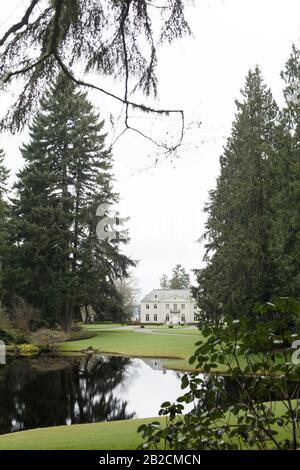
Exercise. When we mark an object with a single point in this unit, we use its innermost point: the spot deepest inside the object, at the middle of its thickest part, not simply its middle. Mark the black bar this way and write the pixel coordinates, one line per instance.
(137, 459)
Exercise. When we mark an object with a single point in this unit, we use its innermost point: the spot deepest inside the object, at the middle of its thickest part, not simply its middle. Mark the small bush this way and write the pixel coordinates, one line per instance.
(6, 337)
(81, 334)
(35, 325)
(27, 349)
(5, 322)
(23, 314)
(76, 327)
(45, 337)
(12, 337)
(142, 326)
(170, 326)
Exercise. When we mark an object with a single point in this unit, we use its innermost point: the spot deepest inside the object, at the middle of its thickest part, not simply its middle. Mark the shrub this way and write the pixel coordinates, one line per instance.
(260, 374)
(171, 326)
(76, 327)
(142, 326)
(46, 337)
(23, 314)
(12, 337)
(5, 322)
(82, 334)
(27, 349)
(6, 337)
(35, 325)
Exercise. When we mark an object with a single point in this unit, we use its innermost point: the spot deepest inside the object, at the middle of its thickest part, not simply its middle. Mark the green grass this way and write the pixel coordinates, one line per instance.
(113, 435)
(100, 326)
(175, 348)
(179, 331)
(132, 343)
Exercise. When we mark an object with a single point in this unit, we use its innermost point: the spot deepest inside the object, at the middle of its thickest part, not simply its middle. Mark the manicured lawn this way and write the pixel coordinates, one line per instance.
(100, 326)
(113, 435)
(132, 343)
(179, 331)
(176, 348)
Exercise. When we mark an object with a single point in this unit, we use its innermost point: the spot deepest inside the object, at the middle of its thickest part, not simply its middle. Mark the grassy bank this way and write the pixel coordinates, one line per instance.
(175, 348)
(114, 435)
(135, 344)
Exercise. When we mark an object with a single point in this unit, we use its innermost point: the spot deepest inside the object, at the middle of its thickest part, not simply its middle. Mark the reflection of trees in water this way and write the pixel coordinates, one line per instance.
(131, 374)
(43, 392)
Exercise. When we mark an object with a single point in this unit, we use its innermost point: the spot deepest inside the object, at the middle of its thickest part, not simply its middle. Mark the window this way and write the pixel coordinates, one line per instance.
(175, 306)
(155, 296)
(147, 316)
(167, 317)
(147, 307)
(155, 306)
(183, 318)
(167, 306)
(155, 317)
(183, 306)
(195, 317)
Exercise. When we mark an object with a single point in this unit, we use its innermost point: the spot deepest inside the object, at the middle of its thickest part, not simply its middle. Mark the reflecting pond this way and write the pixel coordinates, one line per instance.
(52, 391)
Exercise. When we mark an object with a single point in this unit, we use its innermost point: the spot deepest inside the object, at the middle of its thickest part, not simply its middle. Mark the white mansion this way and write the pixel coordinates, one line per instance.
(170, 306)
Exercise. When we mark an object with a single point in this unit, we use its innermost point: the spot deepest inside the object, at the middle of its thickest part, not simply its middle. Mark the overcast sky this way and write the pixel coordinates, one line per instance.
(202, 75)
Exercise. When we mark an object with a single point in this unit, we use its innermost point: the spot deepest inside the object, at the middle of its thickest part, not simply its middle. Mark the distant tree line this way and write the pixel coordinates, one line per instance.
(49, 250)
(252, 234)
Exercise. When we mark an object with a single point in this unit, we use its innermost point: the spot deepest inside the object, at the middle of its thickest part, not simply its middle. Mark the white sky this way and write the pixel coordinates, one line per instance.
(203, 75)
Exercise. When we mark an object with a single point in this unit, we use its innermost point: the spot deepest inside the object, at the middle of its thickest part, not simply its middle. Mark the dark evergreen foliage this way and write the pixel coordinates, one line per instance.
(57, 262)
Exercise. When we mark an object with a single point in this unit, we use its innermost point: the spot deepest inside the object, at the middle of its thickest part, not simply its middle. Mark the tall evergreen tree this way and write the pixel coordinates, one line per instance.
(59, 264)
(286, 200)
(179, 279)
(239, 270)
(4, 173)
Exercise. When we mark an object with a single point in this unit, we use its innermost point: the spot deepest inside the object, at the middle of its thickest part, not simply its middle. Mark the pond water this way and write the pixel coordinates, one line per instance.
(45, 391)
(53, 391)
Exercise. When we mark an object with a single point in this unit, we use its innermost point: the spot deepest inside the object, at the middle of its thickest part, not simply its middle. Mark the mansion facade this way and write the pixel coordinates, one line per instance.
(169, 306)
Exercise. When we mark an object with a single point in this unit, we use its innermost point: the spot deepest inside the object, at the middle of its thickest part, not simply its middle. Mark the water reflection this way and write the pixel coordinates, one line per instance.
(47, 391)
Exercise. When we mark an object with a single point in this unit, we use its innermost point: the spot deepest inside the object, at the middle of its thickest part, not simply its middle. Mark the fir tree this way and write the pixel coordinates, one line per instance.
(4, 173)
(239, 271)
(59, 262)
(286, 203)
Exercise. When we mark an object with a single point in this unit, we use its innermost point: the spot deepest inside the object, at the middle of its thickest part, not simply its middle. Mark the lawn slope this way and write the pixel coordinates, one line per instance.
(113, 435)
(136, 344)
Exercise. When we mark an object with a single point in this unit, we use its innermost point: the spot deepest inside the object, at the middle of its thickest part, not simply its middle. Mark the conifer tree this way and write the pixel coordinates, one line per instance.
(4, 173)
(239, 271)
(59, 262)
(286, 200)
